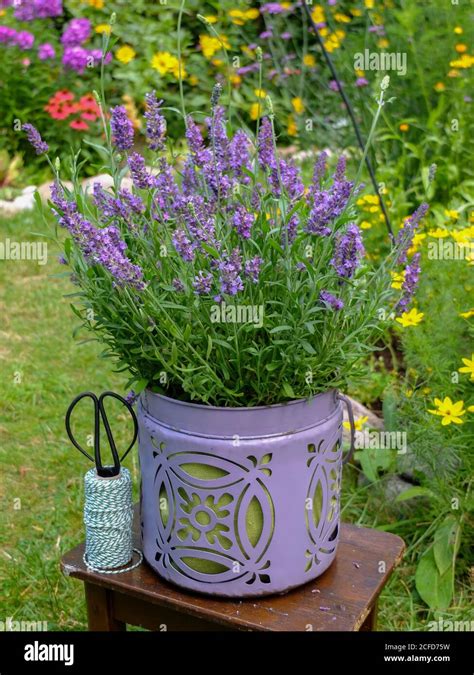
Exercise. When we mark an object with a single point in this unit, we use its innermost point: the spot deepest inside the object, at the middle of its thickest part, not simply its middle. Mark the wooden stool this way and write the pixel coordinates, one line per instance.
(343, 598)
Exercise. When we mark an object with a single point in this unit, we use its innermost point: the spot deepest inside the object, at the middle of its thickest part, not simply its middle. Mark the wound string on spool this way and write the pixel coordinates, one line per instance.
(108, 516)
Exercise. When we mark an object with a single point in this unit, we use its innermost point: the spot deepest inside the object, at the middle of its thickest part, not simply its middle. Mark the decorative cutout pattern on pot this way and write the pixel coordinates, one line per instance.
(254, 517)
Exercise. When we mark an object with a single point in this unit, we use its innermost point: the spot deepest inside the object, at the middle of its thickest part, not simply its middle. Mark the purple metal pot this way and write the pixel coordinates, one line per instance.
(240, 501)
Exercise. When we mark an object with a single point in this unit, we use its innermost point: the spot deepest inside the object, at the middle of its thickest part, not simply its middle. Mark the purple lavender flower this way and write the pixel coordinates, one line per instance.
(76, 58)
(331, 301)
(361, 82)
(243, 221)
(320, 168)
(183, 244)
(121, 208)
(140, 176)
(230, 268)
(122, 128)
(102, 246)
(131, 397)
(334, 85)
(349, 248)
(266, 34)
(62, 260)
(178, 285)
(291, 179)
(245, 70)
(28, 10)
(35, 139)
(410, 283)
(239, 155)
(46, 51)
(286, 36)
(404, 237)
(76, 32)
(271, 8)
(291, 230)
(202, 283)
(252, 268)
(7, 35)
(201, 155)
(95, 56)
(24, 40)
(266, 149)
(198, 217)
(167, 191)
(155, 122)
(328, 205)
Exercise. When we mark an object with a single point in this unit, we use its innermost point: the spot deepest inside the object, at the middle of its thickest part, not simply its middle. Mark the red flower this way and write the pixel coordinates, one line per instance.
(79, 125)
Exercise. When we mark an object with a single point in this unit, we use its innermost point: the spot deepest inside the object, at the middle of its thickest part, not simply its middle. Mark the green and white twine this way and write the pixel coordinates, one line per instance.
(108, 516)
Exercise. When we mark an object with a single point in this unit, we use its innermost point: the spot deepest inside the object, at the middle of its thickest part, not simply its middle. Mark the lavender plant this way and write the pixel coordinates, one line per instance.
(224, 279)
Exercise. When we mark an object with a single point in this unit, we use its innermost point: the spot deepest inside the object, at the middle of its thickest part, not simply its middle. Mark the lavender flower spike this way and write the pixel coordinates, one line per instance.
(331, 301)
(404, 237)
(122, 128)
(140, 176)
(35, 139)
(349, 248)
(155, 122)
(202, 283)
(410, 283)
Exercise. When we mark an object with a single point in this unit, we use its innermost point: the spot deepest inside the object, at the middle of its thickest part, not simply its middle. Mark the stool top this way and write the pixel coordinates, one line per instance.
(340, 599)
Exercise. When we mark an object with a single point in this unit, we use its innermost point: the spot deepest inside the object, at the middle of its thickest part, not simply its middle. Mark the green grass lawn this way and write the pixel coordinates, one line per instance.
(43, 367)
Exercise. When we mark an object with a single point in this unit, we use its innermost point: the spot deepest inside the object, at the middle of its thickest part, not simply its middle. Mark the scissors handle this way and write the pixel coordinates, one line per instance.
(100, 413)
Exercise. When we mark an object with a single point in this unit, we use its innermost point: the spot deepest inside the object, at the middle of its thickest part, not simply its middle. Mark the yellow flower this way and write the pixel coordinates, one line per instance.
(426, 390)
(458, 30)
(355, 11)
(439, 233)
(449, 411)
(453, 73)
(383, 43)
(439, 86)
(468, 367)
(466, 61)
(468, 314)
(103, 28)
(161, 62)
(359, 72)
(409, 393)
(210, 18)
(217, 62)
(97, 4)
(255, 111)
(416, 241)
(237, 16)
(365, 225)
(193, 80)
(309, 60)
(260, 93)
(210, 45)
(125, 54)
(252, 14)
(404, 126)
(291, 129)
(461, 48)
(358, 423)
(165, 63)
(318, 14)
(451, 213)
(298, 105)
(397, 279)
(369, 4)
(235, 80)
(411, 318)
(342, 18)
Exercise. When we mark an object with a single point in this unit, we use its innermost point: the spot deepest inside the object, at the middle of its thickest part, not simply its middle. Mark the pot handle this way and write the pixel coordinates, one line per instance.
(350, 413)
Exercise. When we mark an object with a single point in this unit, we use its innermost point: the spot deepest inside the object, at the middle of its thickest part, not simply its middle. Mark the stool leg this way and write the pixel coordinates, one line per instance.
(100, 613)
(370, 623)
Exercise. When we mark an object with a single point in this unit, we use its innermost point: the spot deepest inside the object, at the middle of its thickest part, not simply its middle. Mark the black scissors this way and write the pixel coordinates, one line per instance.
(99, 412)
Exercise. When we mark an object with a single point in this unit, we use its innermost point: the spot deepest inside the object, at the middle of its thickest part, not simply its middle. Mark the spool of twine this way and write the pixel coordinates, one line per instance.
(108, 516)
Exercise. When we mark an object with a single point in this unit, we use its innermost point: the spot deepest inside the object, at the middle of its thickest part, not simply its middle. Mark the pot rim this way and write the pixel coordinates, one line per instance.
(242, 408)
